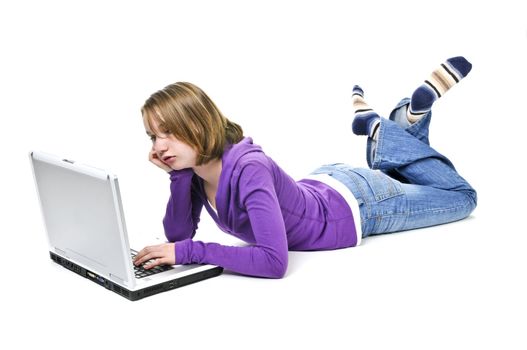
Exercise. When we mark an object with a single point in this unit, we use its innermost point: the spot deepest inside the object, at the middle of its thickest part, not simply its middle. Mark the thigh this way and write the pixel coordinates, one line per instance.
(381, 198)
(378, 195)
(387, 205)
(429, 206)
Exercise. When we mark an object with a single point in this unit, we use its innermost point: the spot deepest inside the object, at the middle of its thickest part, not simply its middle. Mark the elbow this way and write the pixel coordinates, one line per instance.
(280, 274)
(279, 268)
(175, 233)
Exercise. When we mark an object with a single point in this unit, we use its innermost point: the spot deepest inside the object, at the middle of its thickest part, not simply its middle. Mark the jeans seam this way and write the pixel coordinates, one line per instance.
(437, 211)
(378, 218)
(376, 163)
(410, 212)
(361, 191)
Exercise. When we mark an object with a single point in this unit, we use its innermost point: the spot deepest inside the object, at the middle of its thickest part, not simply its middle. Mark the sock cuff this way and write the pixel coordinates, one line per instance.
(374, 126)
(452, 71)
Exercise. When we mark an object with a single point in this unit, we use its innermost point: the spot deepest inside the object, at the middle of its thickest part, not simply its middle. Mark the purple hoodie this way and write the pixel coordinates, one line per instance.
(258, 203)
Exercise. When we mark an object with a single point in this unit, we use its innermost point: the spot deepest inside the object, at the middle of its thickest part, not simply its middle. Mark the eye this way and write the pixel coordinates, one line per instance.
(153, 138)
(164, 129)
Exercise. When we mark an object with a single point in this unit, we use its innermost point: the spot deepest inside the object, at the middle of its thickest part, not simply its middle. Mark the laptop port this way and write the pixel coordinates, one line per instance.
(96, 278)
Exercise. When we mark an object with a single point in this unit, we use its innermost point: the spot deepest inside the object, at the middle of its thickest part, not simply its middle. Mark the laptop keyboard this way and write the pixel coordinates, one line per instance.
(141, 272)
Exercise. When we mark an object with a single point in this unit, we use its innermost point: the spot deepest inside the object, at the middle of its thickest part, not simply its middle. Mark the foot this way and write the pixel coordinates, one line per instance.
(366, 121)
(441, 80)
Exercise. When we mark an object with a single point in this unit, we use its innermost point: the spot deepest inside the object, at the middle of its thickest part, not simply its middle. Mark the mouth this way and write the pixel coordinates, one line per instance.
(168, 159)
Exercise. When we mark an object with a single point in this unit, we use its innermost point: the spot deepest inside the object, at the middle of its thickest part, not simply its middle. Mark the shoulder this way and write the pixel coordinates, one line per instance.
(245, 165)
(246, 155)
(253, 167)
(256, 164)
(254, 158)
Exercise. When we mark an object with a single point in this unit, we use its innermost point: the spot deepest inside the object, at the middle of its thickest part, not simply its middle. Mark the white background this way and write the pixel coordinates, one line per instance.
(73, 76)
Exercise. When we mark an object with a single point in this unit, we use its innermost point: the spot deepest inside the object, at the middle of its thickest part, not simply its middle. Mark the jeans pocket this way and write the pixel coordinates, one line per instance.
(381, 185)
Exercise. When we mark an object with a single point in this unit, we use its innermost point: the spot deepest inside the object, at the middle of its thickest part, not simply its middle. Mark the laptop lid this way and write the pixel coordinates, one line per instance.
(83, 216)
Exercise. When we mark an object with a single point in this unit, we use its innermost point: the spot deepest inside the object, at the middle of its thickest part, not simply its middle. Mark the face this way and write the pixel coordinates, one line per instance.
(171, 151)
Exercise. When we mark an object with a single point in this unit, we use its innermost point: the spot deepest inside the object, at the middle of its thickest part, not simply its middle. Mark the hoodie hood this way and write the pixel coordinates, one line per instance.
(234, 152)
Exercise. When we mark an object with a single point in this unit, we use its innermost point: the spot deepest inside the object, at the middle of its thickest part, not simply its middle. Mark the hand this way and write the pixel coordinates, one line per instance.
(162, 254)
(152, 156)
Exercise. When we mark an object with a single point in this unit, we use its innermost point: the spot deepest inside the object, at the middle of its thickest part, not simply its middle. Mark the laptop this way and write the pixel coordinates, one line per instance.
(85, 224)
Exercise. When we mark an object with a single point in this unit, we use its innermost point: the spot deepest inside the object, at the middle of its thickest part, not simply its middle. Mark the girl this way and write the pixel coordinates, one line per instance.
(212, 165)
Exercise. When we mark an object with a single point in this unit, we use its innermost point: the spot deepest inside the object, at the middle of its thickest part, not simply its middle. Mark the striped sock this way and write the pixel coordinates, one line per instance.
(366, 121)
(442, 79)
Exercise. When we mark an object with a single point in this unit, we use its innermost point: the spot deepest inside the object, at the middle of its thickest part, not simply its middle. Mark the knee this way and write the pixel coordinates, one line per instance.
(472, 201)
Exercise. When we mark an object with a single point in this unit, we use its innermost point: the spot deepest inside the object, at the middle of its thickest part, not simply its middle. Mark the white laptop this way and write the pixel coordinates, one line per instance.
(86, 229)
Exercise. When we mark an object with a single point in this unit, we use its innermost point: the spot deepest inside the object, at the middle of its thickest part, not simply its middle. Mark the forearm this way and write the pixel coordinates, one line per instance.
(182, 213)
(257, 261)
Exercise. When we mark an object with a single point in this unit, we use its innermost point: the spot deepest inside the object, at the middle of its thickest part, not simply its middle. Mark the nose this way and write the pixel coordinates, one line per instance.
(159, 146)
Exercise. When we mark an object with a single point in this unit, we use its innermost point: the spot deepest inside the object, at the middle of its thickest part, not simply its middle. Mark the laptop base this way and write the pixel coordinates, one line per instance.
(137, 294)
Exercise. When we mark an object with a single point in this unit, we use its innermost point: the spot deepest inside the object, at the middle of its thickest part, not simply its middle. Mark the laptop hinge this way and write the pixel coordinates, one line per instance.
(117, 279)
(61, 252)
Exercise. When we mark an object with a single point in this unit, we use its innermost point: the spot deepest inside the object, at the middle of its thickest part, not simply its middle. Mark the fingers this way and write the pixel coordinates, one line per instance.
(154, 158)
(152, 155)
(147, 253)
(156, 262)
(162, 254)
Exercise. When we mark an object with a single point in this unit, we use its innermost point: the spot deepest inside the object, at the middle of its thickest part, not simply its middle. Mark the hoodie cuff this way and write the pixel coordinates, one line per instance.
(178, 174)
(181, 249)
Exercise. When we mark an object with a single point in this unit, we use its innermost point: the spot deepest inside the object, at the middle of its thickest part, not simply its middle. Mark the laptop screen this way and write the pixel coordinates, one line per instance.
(83, 215)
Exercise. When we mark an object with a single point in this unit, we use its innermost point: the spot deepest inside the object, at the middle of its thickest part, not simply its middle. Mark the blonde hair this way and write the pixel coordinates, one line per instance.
(185, 111)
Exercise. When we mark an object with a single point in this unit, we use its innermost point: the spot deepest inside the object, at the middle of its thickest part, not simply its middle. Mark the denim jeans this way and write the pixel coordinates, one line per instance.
(409, 185)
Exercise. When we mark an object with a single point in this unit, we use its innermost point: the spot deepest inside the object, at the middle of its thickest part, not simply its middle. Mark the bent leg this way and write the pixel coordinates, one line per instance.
(387, 205)
(434, 190)
(419, 206)
(419, 129)
(397, 149)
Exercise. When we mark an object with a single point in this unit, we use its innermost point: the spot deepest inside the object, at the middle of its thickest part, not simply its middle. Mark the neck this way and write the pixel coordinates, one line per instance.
(210, 172)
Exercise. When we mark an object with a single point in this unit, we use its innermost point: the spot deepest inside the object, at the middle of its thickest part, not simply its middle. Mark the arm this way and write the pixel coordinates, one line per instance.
(183, 208)
(267, 257)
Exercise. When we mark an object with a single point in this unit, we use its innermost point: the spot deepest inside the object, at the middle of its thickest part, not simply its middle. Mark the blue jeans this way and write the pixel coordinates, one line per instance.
(409, 185)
